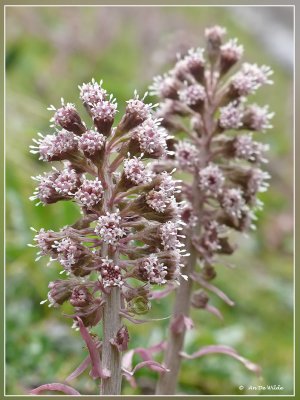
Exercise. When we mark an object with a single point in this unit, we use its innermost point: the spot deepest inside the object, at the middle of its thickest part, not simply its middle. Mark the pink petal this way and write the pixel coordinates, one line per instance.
(57, 387)
(212, 288)
(214, 310)
(220, 349)
(97, 371)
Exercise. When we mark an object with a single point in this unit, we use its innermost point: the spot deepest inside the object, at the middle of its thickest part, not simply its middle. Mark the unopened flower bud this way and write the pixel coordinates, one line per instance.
(200, 299)
(214, 36)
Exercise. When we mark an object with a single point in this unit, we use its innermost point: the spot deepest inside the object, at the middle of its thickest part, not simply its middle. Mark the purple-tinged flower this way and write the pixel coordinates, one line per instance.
(215, 33)
(151, 137)
(110, 273)
(192, 63)
(214, 36)
(92, 92)
(248, 149)
(210, 239)
(162, 196)
(200, 299)
(69, 252)
(165, 86)
(68, 118)
(55, 186)
(231, 116)
(258, 181)
(158, 200)
(231, 53)
(233, 202)
(192, 95)
(60, 291)
(187, 215)
(44, 240)
(55, 147)
(211, 180)
(169, 235)
(90, 193)
(67, 182)
(251, 180)
(137, 172)
(186, 155)
(257, 118)
(137, 111)
(250, 78)
(80, 297)
(109, 228)
(152, 270)
(103, 114)
(91, 143)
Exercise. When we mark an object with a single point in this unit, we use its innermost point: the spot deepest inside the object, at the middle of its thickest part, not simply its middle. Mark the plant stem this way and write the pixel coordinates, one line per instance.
(111, 357)
(168, 381)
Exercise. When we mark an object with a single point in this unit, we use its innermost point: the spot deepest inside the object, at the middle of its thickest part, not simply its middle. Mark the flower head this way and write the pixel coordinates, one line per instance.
(136, 171)
(248, 149)
(109, 228)
(55, 147)
(152, 270)
(192, 95)
(233, 202)
(92, 92)
(169, 235)
(211, 180)
(151, 137)
(231, 116)
(250, 78)
(110, 273)
(68, 118)
(90, 193)
(186, 155)
(257, 118)
(91, 142)
(165, 86)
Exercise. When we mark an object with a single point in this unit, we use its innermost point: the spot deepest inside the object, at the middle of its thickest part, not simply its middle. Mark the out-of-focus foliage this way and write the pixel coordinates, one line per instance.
(49, 52)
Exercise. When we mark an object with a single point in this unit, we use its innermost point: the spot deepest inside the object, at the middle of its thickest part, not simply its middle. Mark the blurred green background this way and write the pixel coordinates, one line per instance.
(50, 51)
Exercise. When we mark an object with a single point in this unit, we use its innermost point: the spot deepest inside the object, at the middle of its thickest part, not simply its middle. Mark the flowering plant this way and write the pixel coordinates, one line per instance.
(126, 240)
(206, 106)
(137, 222)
